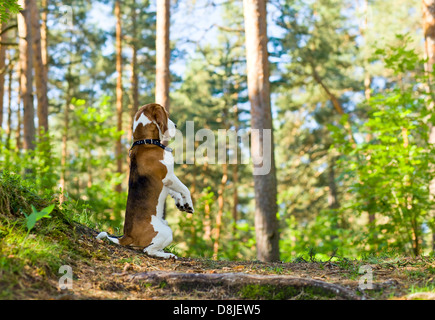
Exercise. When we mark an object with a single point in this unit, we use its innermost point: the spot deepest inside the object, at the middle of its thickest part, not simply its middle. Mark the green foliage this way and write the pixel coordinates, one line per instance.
(92, 138)
(7, 7)
(390, 169)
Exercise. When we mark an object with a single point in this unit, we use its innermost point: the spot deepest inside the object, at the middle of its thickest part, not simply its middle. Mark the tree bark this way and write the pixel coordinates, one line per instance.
(428, 8)
(163, 53)
(235, 198)
(2, 75)
(134, 93)
(44, 36)
(19, 113)
(9, 118)
(266, 208)
(118, 151)
(26, 54)
(40, 71)
(134, 77)
(220, 210)
(333, 202)
(64, 155)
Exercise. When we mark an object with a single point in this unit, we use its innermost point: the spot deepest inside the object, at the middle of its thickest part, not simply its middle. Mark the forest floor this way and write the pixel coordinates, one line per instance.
(30, 266)
(103, 270)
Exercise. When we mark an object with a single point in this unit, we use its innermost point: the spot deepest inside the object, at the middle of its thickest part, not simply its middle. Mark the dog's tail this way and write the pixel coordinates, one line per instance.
(103, 235)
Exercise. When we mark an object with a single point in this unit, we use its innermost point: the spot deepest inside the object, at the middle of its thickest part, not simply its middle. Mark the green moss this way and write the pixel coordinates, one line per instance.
(272, 292)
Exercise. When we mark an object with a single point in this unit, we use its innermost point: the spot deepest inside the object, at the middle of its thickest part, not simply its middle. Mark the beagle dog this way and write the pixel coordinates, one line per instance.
(151, 180)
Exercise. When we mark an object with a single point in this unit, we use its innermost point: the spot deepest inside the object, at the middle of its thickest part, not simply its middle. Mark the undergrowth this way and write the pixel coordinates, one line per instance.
(29, 257)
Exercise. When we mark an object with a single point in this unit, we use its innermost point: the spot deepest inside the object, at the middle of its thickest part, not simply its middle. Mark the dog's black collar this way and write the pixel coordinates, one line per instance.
(155, 142)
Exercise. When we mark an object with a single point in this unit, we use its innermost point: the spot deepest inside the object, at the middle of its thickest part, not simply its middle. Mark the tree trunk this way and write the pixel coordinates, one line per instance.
(428, 7)
(40, 74)
(333, 194)
(220, 210)
(19, 114)
(235, 198)
(266, 208)
(163, 53)
(134, 93)
(2, 75)
(333, 202)
(26, 54)
(235, 177)
(118, 151)
(9, 118)
(44, 34)
(134, 78)
(62, 183)
(207, 220)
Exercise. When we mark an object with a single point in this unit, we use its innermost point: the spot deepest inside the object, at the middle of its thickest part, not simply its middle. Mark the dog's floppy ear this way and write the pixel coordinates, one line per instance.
(160, 116)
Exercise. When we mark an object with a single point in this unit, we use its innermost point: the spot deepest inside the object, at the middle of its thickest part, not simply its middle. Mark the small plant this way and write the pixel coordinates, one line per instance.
(35, 216)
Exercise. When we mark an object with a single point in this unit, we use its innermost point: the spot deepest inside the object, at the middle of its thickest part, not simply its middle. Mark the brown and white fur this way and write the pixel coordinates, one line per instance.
(151, 179)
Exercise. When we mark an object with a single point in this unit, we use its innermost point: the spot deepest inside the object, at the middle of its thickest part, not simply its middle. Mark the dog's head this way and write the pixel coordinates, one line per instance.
(152, 122)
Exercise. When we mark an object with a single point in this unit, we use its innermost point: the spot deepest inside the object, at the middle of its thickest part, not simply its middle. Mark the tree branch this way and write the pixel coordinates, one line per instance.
(8, 44)
(13, 26)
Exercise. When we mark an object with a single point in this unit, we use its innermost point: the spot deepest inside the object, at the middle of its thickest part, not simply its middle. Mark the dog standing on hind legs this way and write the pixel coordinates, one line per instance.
(151, 180)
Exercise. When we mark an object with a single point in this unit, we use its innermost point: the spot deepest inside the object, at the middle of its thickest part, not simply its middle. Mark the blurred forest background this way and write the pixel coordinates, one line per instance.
(352, 95)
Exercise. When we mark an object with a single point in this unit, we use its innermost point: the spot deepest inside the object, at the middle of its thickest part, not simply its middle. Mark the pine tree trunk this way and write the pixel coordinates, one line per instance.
(266, 224)
(163, 53)
(428, 7)
(220, 211)
(118, 151)
(134, 77)
(235, 198)
(2, 75)
(9, 118)
(63, 159)
(26, 54)
(40, 75)
(44, 35)
(19, 113)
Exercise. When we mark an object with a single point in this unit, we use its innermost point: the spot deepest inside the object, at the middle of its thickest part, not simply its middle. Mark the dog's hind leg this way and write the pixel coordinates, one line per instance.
(161, 240)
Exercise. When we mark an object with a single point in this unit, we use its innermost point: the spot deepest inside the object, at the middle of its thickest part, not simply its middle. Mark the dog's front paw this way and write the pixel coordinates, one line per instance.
(188, 208)
(180, 207)
(179, 202)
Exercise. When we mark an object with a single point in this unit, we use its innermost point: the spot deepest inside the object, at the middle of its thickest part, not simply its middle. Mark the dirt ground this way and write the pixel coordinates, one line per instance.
(108, 273)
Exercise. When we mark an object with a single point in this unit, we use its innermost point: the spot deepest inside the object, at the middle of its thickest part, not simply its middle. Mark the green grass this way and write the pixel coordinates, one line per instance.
(29, 256)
